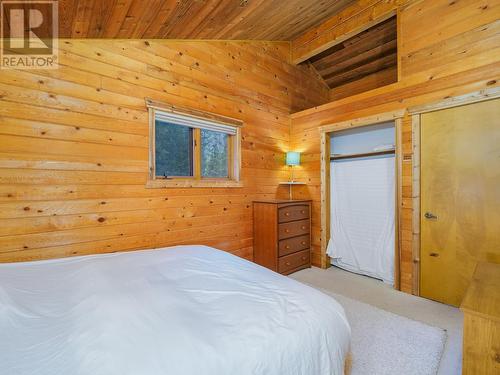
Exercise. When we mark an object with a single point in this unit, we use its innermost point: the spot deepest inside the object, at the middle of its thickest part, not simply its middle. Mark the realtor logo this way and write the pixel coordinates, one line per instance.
(28, 34)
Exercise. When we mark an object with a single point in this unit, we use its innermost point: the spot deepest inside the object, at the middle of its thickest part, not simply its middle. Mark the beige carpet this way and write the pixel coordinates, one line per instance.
(376, 293)
(383, 343)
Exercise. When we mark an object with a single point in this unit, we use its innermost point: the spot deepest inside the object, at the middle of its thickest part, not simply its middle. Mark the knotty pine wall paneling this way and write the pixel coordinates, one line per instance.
(74, 144)
(457, 55)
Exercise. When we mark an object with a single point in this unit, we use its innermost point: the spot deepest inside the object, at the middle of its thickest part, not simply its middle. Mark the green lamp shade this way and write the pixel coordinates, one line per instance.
(292, 158)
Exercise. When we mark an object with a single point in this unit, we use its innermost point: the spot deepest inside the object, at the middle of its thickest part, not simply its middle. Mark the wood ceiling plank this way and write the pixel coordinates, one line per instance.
(321, 11)
(146, 18)
(360, 59)
(275, 18)
(162, 18)
(362, 71)
(184, 8)
(366, 14)
(346, 50)
(284, 20)
(386, 28)
(81, 21)
(131, 20)
(284, 17)
(203, 17)
(369, 82)
(333, 22)
(101, 13)
(220, 12)
(362, 55)
(207, 19)
(242, 17)
(250, 25)
(116, 18)
(186, 15)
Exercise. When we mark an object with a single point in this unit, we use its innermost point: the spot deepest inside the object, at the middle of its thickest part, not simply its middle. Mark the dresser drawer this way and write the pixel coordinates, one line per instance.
(293, 229)
(292, 245)
(292, 213)
(282, 229)
(290, 262)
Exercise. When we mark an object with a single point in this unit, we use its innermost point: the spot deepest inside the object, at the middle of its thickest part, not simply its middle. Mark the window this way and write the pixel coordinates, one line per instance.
(173, 151)
(192, 148)
(214, 154)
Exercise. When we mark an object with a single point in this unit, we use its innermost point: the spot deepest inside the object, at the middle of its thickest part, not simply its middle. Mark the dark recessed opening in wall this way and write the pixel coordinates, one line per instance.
(363, 62)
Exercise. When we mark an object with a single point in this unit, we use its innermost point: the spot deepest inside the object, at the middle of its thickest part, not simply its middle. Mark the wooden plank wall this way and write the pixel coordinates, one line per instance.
(457, 55)
(74, 144)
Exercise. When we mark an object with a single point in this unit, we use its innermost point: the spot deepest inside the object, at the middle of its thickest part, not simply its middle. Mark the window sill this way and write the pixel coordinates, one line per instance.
(186, 183)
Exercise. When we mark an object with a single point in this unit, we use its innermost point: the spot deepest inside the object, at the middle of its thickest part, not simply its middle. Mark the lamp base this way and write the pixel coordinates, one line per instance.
(290, 184)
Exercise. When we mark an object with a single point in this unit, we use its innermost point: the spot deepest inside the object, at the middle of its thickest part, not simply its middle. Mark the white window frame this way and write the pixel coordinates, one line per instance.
(198, 120)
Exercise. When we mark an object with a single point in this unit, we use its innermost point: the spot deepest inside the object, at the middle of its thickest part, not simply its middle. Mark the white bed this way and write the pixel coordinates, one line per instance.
(180, 310)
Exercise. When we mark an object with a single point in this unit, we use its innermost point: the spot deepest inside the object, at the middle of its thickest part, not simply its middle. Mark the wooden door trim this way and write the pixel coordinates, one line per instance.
(325, 197)
(325, 130)
(363, 121)
(398, 129)
(457, 101)
(415, 125)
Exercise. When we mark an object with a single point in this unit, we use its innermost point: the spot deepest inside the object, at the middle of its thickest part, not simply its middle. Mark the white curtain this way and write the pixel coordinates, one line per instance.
(362, 216)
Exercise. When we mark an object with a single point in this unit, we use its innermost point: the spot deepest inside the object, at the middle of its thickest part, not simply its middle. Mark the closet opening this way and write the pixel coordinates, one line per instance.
(363, 200)
(360, 197)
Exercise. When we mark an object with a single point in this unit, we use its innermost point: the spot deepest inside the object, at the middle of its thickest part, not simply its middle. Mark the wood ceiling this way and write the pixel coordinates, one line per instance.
(371, 52)
(193, 19)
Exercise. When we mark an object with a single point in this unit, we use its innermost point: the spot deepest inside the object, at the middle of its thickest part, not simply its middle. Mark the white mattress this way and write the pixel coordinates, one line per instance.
(179, 310)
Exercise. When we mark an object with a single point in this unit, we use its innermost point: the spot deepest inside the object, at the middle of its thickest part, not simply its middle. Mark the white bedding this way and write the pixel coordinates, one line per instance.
(179, 310)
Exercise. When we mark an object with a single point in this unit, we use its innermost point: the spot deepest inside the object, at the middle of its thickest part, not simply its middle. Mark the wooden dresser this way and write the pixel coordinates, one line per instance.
(481, 308)
(282, 234)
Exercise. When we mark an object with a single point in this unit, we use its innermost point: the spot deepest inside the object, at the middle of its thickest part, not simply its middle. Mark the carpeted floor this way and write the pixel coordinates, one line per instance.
(388, 344)
(378, 294)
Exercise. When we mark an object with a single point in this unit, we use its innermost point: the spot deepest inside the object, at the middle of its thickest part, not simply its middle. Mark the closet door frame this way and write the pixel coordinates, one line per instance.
(416, 112)
(325, 132)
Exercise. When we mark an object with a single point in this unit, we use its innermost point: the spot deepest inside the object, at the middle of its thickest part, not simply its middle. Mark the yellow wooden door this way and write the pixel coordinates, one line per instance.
(460, 197)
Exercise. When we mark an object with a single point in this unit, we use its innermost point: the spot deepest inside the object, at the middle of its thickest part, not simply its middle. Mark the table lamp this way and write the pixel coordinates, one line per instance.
(292, 158)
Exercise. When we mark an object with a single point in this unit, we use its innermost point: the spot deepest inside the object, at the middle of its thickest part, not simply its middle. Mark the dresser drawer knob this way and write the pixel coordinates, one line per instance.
(303, 227)
(303, 212)
(287, 230)
(303, 243)
(287, 213)
(287, 246)
(287, 263)
(304, 258)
